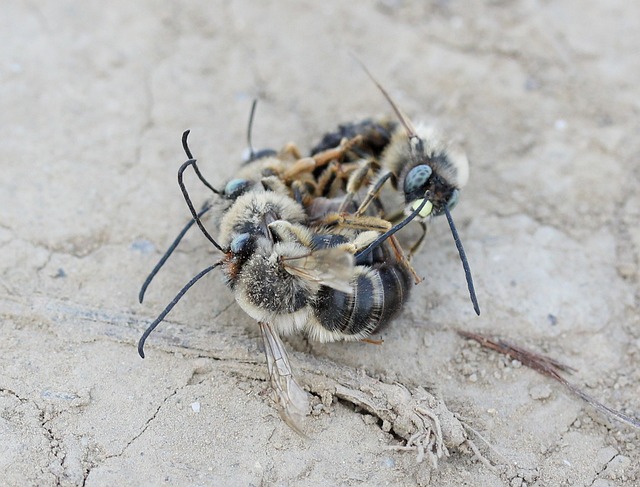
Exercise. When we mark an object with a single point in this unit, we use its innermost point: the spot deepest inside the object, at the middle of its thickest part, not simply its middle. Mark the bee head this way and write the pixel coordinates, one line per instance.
(433, 169)
(421, 183)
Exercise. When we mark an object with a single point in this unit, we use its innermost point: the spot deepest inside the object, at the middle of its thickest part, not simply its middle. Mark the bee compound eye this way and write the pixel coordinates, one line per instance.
(236, 187)
(241, 244)
(417, 179)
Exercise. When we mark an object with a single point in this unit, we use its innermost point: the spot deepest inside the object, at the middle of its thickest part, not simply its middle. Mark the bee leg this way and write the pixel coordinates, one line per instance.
(418, 245)
(291, 150)
(337, 153)
(301, 166)
(397, 249)
(356, 181)
(347, 220)
(328, 178)
(302, 193)
(373, 191)
(396, 228)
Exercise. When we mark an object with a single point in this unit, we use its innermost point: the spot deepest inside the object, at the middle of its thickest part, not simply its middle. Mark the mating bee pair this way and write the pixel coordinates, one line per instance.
(301, 255)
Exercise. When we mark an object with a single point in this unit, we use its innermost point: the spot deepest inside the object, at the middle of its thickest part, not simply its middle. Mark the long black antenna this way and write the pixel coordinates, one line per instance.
(185, 146)
(406, 123)
(187, 198)
(378, 241)
(250, 129)
(465, 262)
(183, 188)
(168, 253)
(253, 155)
(170, 306)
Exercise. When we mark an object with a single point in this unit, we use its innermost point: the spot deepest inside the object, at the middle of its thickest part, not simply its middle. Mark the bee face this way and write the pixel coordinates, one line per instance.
(252, 212)
(254, 265)
(426, 167)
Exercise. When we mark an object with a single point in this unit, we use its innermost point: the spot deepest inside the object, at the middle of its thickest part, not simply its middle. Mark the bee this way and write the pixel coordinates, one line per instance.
(285, 172)
(420, 163)
(326, 282)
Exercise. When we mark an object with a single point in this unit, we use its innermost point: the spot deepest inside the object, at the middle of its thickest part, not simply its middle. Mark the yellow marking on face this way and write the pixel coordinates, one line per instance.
(426, 210)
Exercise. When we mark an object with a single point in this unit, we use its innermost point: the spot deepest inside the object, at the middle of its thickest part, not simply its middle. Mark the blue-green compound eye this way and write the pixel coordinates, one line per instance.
(417, 179)
(235, 188)
(241, 244)
(453, 201)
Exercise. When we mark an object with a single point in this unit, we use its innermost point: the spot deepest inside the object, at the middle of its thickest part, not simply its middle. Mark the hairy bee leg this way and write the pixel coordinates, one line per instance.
(327, 178)
(291, 150)
(347, 220)
(301, 194)
(301, 166)
(373, 192)
(168, 253)
(335, 172)
(325, 157)
(291, 399)
(356, 181)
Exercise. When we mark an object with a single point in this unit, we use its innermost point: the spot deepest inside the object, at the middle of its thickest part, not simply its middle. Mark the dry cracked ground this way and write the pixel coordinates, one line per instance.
(542, 94)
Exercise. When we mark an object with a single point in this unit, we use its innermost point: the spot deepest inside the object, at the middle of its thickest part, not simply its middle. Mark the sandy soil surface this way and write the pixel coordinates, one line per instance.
(543, 95)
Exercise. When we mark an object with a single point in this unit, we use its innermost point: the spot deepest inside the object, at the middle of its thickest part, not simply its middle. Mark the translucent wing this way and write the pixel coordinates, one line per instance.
(331, 267)
(291, 400)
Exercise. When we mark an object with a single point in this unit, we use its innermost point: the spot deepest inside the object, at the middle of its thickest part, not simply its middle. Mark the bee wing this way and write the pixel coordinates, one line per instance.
(332, 267)
(291, 400)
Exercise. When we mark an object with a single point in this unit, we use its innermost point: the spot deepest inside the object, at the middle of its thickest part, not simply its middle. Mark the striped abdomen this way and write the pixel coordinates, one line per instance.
(379, 292)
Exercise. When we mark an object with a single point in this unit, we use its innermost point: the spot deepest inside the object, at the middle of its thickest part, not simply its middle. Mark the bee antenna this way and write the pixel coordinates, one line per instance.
(187, 198)
(465, 262)
(378, 241)
(250, 128)
(168, 253)
(406, 123)
(185, 146)
(170, 306)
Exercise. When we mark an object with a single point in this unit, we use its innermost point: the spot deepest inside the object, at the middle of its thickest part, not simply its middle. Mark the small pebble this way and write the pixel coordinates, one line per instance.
(388, 462)
(542, 391)
(143, 246)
